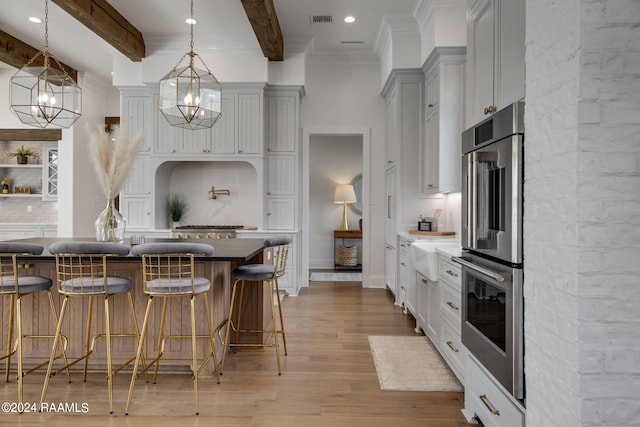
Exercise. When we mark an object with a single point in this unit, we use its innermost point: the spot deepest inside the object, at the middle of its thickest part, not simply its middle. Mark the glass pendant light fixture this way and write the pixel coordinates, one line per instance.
(190, 97)
(42, 95)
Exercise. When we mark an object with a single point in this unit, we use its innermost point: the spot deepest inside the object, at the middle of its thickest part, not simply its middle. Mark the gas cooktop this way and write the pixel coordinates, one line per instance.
(208, 227)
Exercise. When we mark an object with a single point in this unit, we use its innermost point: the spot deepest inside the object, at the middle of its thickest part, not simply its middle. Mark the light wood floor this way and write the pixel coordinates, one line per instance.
(329, 378)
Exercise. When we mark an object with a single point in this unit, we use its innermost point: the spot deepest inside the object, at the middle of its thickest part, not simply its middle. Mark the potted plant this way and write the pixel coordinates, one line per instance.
(22, 154)
(177, 207)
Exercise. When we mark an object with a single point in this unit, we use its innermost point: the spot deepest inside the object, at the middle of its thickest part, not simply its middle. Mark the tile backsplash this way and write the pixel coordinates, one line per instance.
(17, 210)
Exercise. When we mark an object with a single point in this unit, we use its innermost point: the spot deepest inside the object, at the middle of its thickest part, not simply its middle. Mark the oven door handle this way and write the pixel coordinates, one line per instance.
(492, 274)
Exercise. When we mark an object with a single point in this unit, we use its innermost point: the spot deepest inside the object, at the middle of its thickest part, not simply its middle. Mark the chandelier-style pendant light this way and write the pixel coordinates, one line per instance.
(41, 95)
(190, 97)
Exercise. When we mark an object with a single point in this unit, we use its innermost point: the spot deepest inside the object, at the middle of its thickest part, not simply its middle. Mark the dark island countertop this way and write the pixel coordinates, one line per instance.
(224, 249)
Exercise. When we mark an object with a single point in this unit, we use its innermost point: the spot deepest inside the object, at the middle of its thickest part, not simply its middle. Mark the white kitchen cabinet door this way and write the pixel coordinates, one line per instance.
(496, 50)
(282, 124)
(391, 122)
(509, 51)
(250, 123)
(280, 213)
(50, 172)
(281, 175)
(224, 131)
(481, 60)
(137, 211)
(137, 116)
(390, 207)
(391, 263)
(167, 137)
(140, 180)
(196, 141)
(430, 165)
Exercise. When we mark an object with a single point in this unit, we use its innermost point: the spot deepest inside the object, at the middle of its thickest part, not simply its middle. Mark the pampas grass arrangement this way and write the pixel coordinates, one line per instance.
(113, 156)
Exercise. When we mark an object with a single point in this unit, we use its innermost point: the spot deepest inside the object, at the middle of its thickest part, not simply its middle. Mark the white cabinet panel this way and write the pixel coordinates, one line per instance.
(281, 175)
(496, 49)
(139, 180)
(250, 118)
(196, 141)
(137, 211)
(137, 116)
(281, 214)
(224, 131)
(282, 126)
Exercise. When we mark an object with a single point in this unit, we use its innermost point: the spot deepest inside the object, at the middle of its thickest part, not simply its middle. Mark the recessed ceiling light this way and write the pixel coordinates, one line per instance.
(35, 20)
(191, 21)
(349, 19)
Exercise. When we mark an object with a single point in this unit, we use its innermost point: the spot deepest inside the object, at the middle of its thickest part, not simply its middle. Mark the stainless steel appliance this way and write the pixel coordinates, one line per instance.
(492, 166)
(205, 231)
(492, 259)
(492, 319)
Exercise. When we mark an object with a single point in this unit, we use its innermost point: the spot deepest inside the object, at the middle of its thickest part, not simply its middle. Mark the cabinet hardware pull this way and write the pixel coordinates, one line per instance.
(403, 264)
(389, 207)
(268, 193)
(451, 273)
(424, 281)
(490, 109)
(268, 213)
(488, 404)
(452, 305)
(430, 105)
(450, 344)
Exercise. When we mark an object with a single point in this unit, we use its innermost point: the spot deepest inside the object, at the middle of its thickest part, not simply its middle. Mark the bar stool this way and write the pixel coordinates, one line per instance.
(168, 270)
(260, 274)
(81, 269)
(17, 286)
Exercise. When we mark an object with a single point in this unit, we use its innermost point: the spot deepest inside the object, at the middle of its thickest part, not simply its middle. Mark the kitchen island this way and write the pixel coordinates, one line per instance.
(228, 253)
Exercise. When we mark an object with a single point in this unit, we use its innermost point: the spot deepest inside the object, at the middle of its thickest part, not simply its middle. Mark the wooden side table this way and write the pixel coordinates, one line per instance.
(347, 238)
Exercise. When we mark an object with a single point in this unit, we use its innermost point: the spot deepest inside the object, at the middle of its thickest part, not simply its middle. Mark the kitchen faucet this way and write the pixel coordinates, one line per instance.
(214, 193)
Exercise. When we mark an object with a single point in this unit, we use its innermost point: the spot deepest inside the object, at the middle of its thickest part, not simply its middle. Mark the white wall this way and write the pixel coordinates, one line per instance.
(343, 93)
(582, 204)
(334, 160)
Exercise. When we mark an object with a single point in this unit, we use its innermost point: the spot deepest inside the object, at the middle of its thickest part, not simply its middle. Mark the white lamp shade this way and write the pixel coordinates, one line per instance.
(344, 193)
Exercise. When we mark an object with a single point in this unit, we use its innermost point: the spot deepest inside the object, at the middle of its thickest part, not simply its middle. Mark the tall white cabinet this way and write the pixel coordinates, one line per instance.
(495, 49)
(403, 94)
(443, 120)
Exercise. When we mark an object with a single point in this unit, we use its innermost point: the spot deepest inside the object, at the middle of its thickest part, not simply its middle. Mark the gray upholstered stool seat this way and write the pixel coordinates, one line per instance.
(15, 286)
(169, 271)
(82, 271)
(26, 284)
(253, 272)
(259, 274)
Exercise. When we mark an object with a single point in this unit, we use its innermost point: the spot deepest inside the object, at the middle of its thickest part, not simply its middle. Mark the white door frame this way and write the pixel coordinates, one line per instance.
(365, 133)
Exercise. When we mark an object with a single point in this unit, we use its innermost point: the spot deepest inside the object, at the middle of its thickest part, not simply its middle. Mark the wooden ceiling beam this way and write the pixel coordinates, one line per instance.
(101, 18)
(17, 53)
(263, 19)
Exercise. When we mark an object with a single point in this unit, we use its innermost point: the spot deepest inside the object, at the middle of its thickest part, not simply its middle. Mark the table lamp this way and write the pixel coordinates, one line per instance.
(344, 194)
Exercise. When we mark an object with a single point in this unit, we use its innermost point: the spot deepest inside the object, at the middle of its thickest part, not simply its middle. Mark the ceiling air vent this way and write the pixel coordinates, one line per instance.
(322, 19)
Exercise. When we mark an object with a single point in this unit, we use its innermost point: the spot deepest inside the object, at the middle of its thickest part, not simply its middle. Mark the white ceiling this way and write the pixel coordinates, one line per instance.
(222, 24)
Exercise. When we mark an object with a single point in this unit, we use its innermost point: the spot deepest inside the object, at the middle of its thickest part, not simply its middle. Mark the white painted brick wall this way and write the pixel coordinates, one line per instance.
(582, 213)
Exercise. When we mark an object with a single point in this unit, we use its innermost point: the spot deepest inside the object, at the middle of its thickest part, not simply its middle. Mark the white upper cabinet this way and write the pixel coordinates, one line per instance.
(495, 57)
(250, 123)
(282, 126)
(443, 121)
(224, 131)
(136, 115)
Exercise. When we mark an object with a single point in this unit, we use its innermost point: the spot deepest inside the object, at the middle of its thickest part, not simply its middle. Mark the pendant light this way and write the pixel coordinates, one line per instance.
(43, 95)
(190, 97)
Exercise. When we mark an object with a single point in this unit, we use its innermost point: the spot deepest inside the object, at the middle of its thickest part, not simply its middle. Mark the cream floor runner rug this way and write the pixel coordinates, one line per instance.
(410, 363)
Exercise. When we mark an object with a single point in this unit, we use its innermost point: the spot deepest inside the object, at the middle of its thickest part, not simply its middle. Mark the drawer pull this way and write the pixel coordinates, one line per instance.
(424, 281)
(488, 404)
(451, 346)
(452, 305)
(451, 273)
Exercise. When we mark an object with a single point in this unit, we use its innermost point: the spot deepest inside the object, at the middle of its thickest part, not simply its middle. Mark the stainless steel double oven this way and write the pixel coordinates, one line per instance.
(492, 275)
